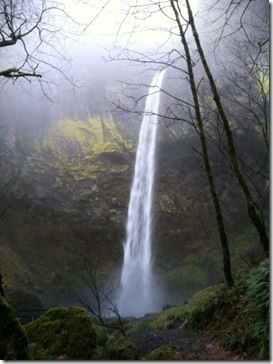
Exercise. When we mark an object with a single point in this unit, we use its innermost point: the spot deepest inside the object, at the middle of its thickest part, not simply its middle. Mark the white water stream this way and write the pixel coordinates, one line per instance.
(138, 288)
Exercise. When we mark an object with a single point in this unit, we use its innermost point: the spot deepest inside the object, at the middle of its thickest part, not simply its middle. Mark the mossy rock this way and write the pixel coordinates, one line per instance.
(13, 337)
(161, 353)
(62, 333)
(117, 347)
(180, 313)
(166, 204)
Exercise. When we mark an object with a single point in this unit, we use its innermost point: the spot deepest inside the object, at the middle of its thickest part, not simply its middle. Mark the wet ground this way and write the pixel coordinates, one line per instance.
(188, 346)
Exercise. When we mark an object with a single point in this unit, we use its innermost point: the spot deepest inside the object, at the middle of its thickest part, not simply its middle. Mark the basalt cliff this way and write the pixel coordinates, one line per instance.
(65, 183)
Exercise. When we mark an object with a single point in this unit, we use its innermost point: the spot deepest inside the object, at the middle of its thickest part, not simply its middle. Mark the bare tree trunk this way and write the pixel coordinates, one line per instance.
(253, 211)
(201, 132)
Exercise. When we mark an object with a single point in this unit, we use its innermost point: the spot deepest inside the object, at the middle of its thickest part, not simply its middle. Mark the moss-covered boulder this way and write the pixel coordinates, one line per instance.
(62, 333)
(117, 347)
(13, 337)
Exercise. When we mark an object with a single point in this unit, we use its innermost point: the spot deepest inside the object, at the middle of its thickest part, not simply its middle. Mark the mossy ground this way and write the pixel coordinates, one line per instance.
(238, 323)
(237, 318)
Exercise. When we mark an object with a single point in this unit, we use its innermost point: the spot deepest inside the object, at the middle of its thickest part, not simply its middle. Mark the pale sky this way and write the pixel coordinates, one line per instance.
(115, 19)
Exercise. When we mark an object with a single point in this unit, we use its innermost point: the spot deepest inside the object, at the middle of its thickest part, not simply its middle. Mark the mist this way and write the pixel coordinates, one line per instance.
(104, 66)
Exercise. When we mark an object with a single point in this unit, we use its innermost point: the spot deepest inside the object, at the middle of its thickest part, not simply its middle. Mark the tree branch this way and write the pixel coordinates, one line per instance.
(15, 73)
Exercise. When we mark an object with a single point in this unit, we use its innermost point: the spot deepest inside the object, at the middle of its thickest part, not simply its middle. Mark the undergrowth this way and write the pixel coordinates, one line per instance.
(238, 316)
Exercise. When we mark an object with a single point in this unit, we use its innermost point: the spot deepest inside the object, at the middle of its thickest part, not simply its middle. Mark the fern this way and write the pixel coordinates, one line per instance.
(257, 298)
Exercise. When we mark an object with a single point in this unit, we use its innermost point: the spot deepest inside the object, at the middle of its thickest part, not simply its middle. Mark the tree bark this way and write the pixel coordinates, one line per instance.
(15, 73)
(213, 191)
(253, 212)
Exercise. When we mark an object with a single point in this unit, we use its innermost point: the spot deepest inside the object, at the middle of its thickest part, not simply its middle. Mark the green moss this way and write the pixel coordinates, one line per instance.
(94, 188)
(117, 347)
(189, 275)
(162, 353)
(84, 149)
(241, 319)
(41, 258)
(166, 204)
(16, 273)
(94, 136)
(181, 206)
(165, 319)
(62, 333)
(13, 337)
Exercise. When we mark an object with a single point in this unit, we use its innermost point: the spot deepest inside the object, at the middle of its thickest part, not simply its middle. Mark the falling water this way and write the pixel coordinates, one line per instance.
(138, 288)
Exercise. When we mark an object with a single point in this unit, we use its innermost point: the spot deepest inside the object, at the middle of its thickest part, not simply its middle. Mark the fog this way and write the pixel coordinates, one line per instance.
(118, 40)
(103, 59)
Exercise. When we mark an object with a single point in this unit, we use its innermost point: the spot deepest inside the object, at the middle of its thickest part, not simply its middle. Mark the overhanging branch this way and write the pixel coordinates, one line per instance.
(15, 73)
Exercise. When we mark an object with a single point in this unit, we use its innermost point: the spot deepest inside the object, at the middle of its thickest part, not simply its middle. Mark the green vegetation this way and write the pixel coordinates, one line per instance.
(190, 261)
(62, 333)
(166, 204)
(162, 353)
(95, 135)
(68, 334)
(84, 149)
(182, 312)
(257, 299)
(13, 337)
(238, 316)
(116, 347)
(42, 258)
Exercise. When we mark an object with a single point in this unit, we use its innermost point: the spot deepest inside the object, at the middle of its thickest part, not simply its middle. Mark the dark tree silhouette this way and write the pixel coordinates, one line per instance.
(38, 31)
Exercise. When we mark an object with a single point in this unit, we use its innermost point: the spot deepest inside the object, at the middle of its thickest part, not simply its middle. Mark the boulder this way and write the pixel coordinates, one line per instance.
(62, 334)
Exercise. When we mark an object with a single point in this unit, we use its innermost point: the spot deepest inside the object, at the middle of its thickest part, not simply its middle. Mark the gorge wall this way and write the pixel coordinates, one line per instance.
(65, 185)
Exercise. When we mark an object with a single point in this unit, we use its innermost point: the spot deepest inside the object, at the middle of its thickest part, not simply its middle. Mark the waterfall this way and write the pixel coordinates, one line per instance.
(138, 287)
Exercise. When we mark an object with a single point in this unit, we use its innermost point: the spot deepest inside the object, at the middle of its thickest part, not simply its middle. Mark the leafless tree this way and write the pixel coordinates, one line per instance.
(203, 140)
(194, 117)
(33, 35)
(245, 94)
(93, 295)
(252, 206)
(192, 57)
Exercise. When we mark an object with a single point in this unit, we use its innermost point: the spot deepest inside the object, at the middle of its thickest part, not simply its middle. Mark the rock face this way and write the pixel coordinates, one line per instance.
(76, 169)
(65, 189)
(68, 192)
